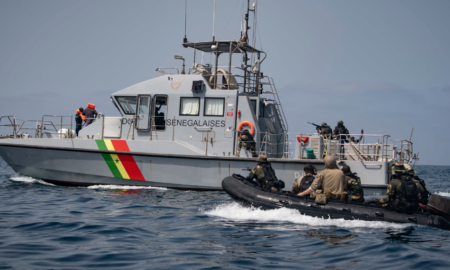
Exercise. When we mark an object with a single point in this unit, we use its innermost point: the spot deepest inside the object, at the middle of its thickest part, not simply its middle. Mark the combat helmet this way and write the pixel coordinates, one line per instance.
(262, 158)
(399, 167)
(341, 122)
(324, 124)
(245, 132)
(330, 162)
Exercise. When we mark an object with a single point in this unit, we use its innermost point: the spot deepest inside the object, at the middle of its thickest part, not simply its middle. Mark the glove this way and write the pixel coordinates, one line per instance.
(374, 201)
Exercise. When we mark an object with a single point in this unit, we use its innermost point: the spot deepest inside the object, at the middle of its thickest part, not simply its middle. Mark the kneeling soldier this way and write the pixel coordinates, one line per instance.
(265, 175)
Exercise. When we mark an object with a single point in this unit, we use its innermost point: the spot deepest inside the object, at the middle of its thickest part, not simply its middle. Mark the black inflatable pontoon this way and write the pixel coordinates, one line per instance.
(248, 193)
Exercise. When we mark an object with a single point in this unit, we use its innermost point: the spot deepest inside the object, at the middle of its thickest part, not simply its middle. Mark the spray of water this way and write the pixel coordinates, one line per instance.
(236, 212)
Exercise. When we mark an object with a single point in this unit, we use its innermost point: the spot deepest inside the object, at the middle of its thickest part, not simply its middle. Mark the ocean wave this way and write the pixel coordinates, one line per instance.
(30, 180)
(124, 187)
(236, 212)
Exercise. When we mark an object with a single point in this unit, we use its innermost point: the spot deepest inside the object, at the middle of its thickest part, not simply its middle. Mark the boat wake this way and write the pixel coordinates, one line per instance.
(29, 180)
(124, 187)
(236, 212)
(444, 194)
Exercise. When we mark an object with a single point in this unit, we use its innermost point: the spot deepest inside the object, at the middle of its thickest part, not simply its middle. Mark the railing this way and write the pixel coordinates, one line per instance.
(12, 123)
(163, 72)
(359, 149)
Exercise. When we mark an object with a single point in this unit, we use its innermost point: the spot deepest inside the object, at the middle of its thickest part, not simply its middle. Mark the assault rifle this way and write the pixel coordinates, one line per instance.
(318, 127)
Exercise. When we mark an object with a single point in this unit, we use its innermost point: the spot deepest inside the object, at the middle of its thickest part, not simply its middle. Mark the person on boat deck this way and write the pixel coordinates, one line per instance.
(354, 188)
(331, 180)
(79, 120)
(326, 130)
(90, 114)
(424, 193)
(340, 132)
(303, 183)
(402, 192)
(265, 175)
(247, 141)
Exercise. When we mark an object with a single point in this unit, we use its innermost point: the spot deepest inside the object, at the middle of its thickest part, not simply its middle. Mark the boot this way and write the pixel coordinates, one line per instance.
(344, 196)
(328, 194)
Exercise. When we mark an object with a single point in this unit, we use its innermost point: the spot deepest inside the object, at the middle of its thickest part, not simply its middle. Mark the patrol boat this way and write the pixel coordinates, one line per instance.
(181, 130)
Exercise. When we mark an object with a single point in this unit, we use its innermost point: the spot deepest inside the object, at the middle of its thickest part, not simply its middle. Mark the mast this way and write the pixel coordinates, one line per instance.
(245, 36)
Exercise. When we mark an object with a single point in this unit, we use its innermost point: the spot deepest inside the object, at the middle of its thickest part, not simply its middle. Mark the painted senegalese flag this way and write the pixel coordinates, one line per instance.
(121, 166)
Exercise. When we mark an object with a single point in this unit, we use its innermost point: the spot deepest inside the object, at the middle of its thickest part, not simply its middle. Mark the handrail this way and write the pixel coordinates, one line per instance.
(163, 72)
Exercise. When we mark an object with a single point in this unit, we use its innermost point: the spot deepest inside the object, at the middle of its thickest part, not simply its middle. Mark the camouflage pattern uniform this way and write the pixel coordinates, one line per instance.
(246, 140)
(264, 180)
(332, 180)
(297, 184)
(326, 130)
(424, 193)
(340, 132)
(354, 189)
(395, 200)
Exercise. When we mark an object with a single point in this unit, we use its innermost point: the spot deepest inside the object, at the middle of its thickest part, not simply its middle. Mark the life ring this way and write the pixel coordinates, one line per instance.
(246, 123)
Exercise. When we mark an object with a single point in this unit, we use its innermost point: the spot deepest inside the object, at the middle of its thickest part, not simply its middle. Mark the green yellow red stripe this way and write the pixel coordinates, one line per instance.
(121, 166)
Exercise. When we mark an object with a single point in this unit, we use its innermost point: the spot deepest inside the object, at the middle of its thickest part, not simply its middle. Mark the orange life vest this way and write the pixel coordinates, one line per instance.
(92, 106)
(81, 115)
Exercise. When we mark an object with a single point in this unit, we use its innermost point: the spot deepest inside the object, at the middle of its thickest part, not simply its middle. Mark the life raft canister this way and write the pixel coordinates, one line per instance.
(246, 123)
(81, 115)
(92, 106)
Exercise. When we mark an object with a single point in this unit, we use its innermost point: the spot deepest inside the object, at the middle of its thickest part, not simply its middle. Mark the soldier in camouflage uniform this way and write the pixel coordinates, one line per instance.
(340, 132)
(354, 187)
(326, 130)
(265, 175)
(247, 141)
(303, 183)
(402, 192)
(424, 193)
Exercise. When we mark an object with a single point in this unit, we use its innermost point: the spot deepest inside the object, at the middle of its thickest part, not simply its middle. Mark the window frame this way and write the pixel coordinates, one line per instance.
(181, 103)
(120, 105)
(216, 115)
(154, 110)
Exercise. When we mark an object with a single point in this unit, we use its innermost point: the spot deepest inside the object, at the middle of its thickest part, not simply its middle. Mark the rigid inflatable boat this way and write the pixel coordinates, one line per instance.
(249, 193)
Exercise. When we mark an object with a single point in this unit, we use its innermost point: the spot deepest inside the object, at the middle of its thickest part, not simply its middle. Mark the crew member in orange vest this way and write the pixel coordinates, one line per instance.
(79, 118)
(90, 114)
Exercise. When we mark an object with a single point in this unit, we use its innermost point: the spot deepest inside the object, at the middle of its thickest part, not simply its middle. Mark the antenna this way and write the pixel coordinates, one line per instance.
(214, 17)
(185, 38)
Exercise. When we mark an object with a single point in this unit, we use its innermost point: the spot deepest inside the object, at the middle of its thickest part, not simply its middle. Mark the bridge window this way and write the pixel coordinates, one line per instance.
(214, 106)
(160, 112)
(189, 106)
(128, 104)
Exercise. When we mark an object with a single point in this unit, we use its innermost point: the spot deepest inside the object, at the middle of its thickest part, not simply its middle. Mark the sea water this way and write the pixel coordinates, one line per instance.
(43, 226)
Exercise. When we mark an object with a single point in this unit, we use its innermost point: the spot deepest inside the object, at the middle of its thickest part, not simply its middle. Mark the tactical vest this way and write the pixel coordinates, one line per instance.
(269, 173)
(409, 191)
(424, 195)
(306, 182)
(247, 139)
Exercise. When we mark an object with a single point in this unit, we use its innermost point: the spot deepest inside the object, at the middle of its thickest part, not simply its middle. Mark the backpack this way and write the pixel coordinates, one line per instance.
(306, 182)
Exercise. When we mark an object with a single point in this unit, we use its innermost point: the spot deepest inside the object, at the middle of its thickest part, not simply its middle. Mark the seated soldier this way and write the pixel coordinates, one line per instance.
(424, 193)
(331, 180)
(354, 188)
(265, 175)
(402, 192)
(303, 183)
(247, 141)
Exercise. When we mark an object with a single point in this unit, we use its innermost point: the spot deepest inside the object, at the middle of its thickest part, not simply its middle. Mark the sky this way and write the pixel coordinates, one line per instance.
(382, 66)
